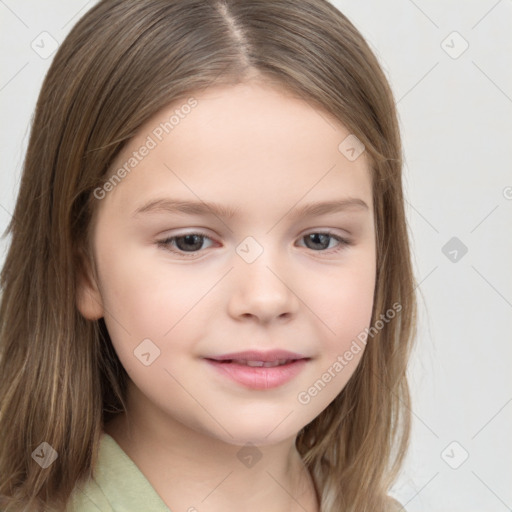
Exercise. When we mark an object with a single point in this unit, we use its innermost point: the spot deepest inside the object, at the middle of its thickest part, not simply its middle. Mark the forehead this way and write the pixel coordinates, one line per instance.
(238, 144)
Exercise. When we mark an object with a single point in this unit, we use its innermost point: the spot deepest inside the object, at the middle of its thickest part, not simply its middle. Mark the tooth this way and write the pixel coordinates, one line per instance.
(254, 363)
(266, 364)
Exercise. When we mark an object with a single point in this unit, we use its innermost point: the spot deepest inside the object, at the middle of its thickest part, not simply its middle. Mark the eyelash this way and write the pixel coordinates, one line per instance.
(166, 243)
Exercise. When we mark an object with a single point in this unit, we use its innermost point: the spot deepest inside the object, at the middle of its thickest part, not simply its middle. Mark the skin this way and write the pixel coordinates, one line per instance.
(260, 149)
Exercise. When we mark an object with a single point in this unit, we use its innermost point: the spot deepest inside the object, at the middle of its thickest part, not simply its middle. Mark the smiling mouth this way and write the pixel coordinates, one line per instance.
(259, 375)
(264, 364)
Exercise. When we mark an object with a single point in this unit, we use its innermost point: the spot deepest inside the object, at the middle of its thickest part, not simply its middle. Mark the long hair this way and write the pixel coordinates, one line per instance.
(60, 378)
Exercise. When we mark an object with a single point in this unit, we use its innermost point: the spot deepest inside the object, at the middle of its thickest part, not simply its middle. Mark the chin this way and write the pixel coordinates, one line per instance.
(261, 436)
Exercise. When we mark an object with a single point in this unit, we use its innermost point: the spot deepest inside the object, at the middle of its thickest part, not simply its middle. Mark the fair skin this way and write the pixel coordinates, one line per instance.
(258, 149)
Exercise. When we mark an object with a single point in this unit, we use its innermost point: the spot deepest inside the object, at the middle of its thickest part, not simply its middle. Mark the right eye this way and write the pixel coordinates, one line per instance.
(187, 244)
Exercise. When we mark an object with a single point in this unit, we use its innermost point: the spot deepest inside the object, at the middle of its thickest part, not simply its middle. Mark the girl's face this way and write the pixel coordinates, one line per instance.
(259, 274)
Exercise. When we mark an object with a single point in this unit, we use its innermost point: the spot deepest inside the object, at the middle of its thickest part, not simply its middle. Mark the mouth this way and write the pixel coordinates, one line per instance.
(259, 375)
(258, 364)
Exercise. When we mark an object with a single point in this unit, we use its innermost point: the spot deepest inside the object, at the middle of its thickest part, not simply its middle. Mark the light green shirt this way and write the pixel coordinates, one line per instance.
(118, 485)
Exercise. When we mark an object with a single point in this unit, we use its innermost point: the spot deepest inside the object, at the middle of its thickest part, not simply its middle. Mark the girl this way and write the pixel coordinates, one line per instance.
(208, 301)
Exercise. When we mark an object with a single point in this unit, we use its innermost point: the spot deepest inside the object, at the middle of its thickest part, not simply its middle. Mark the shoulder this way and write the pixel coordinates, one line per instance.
(116, 484)
(393, 505)
(88, 494)
(88, 498)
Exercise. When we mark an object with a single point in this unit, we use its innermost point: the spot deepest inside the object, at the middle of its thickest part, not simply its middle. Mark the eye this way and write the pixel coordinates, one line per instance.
(187, 245)
(321, 240)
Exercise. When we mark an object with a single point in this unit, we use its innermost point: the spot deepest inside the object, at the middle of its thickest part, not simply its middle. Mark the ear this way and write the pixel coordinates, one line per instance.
(88, 296)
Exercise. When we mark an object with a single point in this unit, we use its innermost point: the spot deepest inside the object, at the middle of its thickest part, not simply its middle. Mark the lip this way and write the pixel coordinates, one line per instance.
(259, 377)
(257, 355)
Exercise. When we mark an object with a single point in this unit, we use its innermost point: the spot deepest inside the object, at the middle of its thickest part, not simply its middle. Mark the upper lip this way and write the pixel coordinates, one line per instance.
(256, 355)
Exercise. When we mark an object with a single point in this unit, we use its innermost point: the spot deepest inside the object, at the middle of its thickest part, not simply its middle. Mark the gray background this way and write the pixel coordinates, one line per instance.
(455, 111)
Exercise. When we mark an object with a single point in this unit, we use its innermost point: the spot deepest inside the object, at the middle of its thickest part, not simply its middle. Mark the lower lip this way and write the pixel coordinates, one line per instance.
(259, 377)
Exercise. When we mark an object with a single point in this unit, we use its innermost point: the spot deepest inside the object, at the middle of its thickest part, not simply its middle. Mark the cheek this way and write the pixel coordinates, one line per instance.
(344, 311)
(147, 298)
(346, 307)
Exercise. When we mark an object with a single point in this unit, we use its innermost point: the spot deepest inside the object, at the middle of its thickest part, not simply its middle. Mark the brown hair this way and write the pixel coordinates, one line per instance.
(60, 378)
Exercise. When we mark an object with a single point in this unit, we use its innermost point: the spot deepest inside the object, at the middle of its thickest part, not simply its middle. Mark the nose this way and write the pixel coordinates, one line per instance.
(264, 289)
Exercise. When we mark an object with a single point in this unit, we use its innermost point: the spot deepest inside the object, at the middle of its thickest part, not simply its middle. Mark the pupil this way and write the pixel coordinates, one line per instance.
(314, 238)
(191, 239)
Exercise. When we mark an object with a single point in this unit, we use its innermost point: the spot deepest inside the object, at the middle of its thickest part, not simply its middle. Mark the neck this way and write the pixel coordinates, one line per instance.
(190, 470)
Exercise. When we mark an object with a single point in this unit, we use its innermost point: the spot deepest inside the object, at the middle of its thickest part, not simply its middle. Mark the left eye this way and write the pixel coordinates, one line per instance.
(190, 243)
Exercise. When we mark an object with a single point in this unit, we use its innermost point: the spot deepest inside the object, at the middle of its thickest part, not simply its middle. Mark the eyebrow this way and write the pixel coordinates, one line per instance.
(205, 208)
